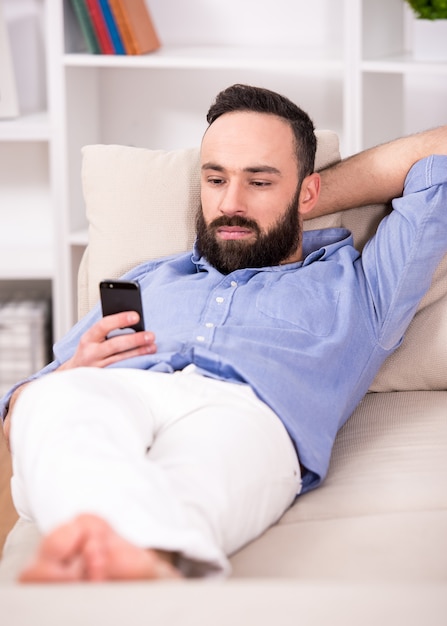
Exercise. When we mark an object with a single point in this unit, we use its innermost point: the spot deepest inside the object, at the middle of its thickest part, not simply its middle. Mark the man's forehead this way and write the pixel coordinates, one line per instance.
(253, 138)
(248, 122)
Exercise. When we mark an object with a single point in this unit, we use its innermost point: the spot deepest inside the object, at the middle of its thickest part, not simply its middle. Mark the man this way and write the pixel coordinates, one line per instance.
(160, 453)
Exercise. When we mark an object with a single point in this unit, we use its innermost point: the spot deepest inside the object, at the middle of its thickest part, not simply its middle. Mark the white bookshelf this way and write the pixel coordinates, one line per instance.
(347, 62)
(27, 255)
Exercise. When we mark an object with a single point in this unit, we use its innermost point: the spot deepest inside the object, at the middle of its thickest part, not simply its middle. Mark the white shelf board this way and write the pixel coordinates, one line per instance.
(26, 262)
(32, 127)
(404, 64)
(215, 57)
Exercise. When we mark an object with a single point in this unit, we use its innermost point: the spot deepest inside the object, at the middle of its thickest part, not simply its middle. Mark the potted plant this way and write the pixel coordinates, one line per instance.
(429, 29)
(429, 9)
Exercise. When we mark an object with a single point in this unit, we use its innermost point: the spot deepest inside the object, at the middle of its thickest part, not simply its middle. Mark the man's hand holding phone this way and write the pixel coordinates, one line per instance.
(95, 349)
(119, 334)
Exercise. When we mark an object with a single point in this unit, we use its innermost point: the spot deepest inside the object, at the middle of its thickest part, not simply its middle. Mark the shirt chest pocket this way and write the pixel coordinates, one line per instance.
(311, 307)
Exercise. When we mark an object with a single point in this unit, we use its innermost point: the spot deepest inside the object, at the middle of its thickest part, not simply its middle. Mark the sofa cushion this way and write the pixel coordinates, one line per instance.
(381, 513)
(141, 204)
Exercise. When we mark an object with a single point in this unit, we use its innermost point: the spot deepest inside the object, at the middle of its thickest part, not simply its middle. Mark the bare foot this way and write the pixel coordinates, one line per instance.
(87, 548)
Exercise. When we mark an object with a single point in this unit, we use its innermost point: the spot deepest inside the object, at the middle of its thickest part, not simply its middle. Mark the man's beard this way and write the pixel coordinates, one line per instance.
(268, 249)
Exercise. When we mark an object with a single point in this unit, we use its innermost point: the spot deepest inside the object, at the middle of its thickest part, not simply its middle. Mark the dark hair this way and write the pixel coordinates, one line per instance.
(259, 100)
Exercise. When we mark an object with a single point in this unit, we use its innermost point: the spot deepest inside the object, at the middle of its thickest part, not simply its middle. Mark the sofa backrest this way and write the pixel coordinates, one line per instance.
(141, 204)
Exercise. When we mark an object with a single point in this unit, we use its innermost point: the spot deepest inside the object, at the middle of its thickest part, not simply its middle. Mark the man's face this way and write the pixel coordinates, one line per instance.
(249, 193)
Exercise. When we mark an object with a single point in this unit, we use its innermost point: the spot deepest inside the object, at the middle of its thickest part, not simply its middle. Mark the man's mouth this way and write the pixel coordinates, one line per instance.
(233, 232)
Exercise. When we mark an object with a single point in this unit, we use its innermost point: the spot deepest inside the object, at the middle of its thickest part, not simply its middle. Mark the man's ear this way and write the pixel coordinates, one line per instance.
(309, 193)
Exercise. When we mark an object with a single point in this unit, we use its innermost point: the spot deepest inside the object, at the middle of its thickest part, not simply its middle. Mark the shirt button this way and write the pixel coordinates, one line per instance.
(200, 338)
(209, 325)
(233, 283)
(219, 299)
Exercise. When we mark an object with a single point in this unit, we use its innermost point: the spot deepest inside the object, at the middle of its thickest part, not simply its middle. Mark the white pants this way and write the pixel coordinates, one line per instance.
(177, 462)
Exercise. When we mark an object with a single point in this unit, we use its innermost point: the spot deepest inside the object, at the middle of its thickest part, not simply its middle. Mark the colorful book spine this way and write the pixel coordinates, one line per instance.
(136, 25)
(100, 26)
(83, 17)
(116, 26)
(115, 35)
(120, 19)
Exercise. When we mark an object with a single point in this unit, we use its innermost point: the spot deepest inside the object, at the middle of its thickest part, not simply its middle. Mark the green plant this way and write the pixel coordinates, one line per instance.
(429, 9)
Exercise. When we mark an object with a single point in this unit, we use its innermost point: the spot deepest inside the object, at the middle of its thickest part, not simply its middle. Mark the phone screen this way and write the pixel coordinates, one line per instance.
(121, 295)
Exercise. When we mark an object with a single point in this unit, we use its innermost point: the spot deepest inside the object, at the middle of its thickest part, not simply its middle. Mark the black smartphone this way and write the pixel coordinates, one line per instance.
(121, 295)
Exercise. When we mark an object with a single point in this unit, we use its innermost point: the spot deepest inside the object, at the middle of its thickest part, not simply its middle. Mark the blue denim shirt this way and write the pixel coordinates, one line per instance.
(308, 337)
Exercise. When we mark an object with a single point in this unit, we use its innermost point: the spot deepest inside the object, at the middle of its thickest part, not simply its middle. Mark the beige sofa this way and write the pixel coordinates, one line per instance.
(370, 545)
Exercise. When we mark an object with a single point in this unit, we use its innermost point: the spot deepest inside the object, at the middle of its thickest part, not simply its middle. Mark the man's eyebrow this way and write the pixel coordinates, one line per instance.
(262, 169)
(252, 169)
(212, 166)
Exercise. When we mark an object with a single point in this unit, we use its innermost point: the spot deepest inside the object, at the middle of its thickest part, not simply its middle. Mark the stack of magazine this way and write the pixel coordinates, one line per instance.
(24, 333)
(116, 26)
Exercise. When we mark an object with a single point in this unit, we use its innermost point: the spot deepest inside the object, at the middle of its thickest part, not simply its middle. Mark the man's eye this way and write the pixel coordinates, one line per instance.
(215, 181)
(260, 183)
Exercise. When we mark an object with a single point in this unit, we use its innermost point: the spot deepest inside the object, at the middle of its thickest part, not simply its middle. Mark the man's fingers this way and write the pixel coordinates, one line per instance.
(119, 356)
(99, 331)
(124, 344)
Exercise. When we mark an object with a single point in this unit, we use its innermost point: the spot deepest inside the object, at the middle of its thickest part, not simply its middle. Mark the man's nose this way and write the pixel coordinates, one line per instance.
(233, 201)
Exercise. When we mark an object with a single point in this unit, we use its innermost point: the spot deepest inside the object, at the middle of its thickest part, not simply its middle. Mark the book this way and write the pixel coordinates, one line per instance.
(123, 26)
(100, 26)
(83, 18)
(9, 104)
(136, 26)
(112, 26)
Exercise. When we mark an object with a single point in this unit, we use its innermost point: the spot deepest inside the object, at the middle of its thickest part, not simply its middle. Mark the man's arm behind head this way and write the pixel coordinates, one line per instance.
(376, 175)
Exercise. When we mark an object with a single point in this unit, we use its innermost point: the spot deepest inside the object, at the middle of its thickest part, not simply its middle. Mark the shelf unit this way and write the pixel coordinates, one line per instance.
(347, 62)
(27, 256)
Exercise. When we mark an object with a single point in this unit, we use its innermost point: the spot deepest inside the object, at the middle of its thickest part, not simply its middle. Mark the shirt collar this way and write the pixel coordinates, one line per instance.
(322, 243)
